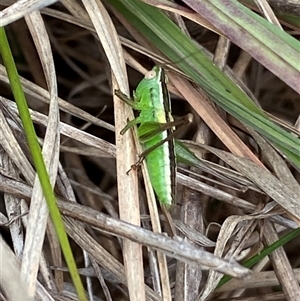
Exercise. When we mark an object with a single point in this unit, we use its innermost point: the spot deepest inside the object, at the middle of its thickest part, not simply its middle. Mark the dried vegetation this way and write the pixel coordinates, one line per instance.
(218, 223)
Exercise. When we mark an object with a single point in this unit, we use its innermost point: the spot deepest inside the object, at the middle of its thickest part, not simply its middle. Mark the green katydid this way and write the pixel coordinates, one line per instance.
(155, 131)
(151, 99)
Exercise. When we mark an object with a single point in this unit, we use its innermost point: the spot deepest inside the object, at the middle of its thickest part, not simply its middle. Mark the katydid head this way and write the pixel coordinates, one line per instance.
(150, 74)
(155, 76)
(152, 81)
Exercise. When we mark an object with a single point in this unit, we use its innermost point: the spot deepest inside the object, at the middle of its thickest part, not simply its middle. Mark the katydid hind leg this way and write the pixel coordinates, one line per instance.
(182, 121)
(185, 120)
(150, 129)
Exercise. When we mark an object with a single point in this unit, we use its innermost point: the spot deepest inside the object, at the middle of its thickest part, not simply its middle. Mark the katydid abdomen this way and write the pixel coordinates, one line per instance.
(161, 167)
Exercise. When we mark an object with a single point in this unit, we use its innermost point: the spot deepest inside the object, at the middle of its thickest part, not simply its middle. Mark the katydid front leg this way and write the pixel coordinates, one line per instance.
(125, 98)
(131, 123)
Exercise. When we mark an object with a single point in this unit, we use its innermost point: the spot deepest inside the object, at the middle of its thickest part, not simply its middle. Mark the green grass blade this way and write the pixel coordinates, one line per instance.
(166, 36)
(265, 252)
(39, 161)
(254, 34)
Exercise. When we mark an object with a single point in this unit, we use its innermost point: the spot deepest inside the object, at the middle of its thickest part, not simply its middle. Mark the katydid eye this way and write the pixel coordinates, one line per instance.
(151, 74)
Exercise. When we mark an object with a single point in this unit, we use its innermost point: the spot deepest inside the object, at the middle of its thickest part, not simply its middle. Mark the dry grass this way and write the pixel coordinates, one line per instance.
(119, 261)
